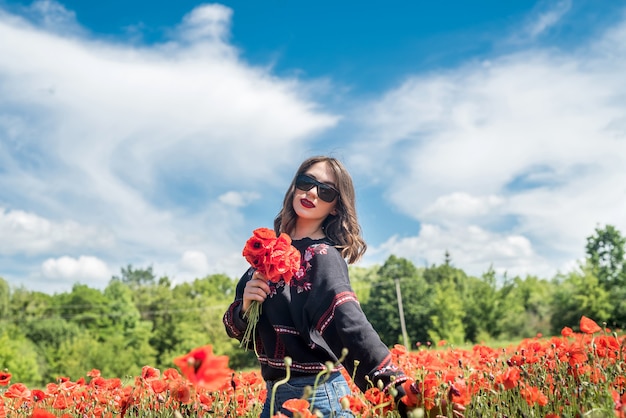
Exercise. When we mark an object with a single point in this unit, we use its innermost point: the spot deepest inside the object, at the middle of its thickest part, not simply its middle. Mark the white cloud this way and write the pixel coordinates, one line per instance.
(195, 262)
(534, 142)
(131, 139)
(472, 248)
(210, 21)
(238, 199)
(547, 16)
(85, 269)
(24, 232)
(461, 205)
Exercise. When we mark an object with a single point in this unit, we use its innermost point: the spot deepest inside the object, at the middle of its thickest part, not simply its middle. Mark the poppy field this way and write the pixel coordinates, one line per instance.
(577, 374)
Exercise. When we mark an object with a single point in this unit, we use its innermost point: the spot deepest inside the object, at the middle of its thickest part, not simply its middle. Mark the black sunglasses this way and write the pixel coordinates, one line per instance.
(324, 191)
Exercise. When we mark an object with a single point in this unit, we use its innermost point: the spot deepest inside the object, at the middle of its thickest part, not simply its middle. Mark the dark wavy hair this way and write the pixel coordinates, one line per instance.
(342, 228)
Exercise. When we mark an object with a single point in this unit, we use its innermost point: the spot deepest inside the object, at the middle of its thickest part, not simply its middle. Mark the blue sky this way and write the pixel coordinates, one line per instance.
(162, 133)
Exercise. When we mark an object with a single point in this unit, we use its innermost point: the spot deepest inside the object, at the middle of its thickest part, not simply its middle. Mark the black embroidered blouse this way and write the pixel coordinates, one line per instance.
(312, 319)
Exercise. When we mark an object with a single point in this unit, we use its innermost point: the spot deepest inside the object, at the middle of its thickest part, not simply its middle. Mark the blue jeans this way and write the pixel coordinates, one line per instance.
(328, 394)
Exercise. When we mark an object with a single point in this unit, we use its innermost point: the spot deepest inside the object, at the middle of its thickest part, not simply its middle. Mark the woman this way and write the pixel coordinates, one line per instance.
(317, 315)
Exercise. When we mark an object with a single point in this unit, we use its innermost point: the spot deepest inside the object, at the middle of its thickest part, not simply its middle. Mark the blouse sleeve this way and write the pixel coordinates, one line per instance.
(338, 318)
(233, 319)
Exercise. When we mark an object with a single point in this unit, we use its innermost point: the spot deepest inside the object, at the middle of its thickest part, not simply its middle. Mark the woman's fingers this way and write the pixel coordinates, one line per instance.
(256, 290)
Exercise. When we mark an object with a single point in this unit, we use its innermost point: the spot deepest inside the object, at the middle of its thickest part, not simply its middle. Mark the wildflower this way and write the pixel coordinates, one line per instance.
(299, 408)
(353, 403)
(149, 373)
(533, 395)
(204, 369)
(42, 413)
(276, 259)
(18, 391)
(38, 395)
(510, 378)
(181, 393)
(589, 326)
(5, 378)
(567, 332)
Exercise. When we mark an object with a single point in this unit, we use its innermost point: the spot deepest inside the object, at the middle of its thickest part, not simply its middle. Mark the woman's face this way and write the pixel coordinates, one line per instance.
(307, 204)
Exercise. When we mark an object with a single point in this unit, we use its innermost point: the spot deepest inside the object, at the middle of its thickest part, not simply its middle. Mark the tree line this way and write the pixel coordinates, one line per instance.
(140, 319)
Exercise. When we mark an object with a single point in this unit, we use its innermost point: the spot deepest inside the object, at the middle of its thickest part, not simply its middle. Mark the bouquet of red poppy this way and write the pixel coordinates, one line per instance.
(276, 258)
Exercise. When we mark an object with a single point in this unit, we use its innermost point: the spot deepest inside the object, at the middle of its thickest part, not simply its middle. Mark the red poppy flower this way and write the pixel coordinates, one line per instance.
(5, 378)
(38, 395)
(533, 395)
(297, 406)
(202, 368)
(18, 391)
(567, 332)
(353, 403)
(257, 246)
(181, 393)
(588, 326)
(42, 413)
(158, 386)
(60, 402)
(149, 373)
(510, 378)
(273, 256)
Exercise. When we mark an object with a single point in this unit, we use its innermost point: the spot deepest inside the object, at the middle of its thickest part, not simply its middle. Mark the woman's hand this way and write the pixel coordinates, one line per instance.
(256, 289)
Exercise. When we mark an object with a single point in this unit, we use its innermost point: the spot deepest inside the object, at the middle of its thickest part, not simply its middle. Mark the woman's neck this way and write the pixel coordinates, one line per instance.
(305, 229)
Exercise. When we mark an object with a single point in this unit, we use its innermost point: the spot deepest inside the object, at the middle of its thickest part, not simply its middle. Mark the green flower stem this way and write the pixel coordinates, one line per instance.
(252, 316)
(280, 382)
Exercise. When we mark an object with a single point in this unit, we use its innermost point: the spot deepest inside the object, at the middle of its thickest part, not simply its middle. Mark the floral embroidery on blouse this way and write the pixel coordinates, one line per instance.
(301, 279)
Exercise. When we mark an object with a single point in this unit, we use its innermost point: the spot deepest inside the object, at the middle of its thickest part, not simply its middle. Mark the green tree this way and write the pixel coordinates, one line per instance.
(605, 252)
(480, 303)
(447, 313)
(48, 334)
(129, 330)
(382, 306)
(605, 257)
(579, 293)
(136, 278)
(5, 299)
(88, 308)
(18, 356)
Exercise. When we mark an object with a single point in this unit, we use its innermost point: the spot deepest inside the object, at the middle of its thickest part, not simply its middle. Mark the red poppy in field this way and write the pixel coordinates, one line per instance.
(589, 326)
(94, 373)
(353, 403)
(42, 413)
(158, 386)
(533, 395)
(171, 375)
(204, 369)
(509, 378)
(576, 356)
(5, 378)
(150, 373)
(38, 395)
(567, 332)
(299, 407)
(377, 397)
(181, 393)
(18, 391)
(60, 402)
